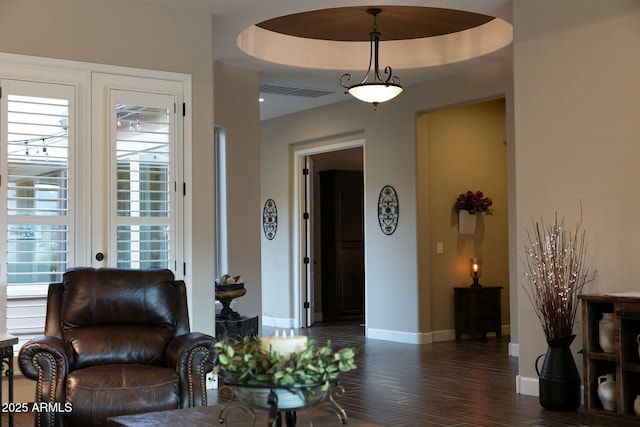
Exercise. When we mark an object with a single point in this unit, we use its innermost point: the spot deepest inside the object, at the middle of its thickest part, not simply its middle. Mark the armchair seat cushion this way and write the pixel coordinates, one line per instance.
(99, 392)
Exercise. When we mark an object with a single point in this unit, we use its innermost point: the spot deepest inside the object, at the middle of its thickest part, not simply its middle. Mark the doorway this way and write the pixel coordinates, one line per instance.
(340, 247)
(341, 155)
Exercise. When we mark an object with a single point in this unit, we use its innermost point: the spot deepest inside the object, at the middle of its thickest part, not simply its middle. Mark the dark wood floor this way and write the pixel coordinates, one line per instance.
(461, 384)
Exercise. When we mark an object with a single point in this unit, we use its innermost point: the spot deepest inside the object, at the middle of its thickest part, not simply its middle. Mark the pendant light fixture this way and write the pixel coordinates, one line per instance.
(378, 90)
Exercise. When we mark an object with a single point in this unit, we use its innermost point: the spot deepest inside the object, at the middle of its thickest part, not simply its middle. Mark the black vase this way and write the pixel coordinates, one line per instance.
(559, 379)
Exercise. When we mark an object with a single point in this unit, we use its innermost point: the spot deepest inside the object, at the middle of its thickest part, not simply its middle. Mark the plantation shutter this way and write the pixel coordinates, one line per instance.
(37, 148)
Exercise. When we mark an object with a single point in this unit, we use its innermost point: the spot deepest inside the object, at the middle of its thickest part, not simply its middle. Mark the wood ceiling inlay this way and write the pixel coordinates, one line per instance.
(353, 24)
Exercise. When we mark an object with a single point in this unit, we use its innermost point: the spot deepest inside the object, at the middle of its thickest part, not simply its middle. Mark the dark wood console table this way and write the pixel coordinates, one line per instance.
(477, 311)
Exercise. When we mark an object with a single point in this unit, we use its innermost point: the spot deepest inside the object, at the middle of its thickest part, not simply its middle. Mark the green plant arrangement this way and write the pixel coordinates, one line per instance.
(255, 363)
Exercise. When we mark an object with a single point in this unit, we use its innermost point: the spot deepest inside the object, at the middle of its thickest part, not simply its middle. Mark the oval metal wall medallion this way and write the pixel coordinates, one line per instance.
(388, 210)
(270, 219)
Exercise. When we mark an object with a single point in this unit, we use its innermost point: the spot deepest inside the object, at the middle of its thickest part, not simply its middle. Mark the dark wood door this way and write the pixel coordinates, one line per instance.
(342, 247)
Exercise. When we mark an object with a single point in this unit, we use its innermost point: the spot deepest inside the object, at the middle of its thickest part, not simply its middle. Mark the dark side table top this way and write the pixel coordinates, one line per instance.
(7, 340)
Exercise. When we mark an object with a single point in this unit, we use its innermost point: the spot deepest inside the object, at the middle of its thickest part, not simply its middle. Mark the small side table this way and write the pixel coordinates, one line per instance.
(477, 311)
(6, 358)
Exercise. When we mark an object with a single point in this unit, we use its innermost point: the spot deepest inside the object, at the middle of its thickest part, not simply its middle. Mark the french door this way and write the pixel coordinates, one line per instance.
(105, 191)
(137, 166)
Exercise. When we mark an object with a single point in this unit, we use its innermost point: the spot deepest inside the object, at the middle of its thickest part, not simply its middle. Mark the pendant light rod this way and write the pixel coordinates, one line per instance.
(379, 90)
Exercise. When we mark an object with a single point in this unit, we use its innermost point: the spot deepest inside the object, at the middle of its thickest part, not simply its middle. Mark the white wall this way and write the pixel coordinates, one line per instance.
(391, 263)
(577, 127)
(237, 111)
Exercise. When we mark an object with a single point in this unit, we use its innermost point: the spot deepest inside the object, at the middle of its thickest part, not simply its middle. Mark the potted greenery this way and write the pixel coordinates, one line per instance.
(556, 274)
(300, 379)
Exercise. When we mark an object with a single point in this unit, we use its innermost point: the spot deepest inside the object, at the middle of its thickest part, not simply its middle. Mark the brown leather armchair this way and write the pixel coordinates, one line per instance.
(116, 342)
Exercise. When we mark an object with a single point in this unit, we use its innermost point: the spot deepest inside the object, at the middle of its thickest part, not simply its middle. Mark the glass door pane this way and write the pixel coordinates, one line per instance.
(144, 180)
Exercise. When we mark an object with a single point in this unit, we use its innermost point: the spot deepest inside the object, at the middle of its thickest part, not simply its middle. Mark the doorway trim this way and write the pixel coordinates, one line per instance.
(299, 152)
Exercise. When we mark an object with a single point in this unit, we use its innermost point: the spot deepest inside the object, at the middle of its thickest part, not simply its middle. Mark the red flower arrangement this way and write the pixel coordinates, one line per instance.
(474, 203)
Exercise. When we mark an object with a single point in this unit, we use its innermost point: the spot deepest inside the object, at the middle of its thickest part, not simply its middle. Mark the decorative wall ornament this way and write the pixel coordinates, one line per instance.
(270, 219)
(388, 210)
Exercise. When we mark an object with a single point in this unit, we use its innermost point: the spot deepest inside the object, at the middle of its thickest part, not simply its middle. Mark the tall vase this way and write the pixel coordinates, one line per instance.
(466, 222)
(559, 380)
(606, 327)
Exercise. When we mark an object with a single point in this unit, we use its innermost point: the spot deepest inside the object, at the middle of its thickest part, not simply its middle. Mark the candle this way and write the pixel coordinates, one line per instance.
(284, 345)
(474, 264)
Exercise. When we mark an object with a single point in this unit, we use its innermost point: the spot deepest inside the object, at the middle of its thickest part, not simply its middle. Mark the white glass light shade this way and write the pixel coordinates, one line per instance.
(375, 92)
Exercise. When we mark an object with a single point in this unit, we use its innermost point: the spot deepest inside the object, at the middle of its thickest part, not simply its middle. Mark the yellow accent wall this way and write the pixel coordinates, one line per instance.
(458, 149)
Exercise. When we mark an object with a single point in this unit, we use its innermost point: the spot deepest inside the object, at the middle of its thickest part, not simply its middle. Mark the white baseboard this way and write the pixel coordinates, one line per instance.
(281, 323)
(399, 336)
(527, 385)
(395, 336)
(425, 337)
(514, 349)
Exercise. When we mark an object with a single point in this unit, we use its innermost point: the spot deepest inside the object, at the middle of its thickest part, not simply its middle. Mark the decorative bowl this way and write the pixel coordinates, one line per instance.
(297, 396)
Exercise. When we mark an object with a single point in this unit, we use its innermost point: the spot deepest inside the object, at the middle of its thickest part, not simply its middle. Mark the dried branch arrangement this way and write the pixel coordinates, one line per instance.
(556, 273)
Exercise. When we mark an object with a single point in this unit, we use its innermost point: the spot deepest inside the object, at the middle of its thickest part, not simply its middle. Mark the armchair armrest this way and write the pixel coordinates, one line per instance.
(192, 355)
(47, 360)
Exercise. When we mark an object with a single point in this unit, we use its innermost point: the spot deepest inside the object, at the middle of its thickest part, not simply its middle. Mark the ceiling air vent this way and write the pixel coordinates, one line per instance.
(293, 91)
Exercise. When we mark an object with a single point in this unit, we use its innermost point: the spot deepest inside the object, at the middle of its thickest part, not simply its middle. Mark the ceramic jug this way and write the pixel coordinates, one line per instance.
(605, 333)
(636, 405)
(607, 391)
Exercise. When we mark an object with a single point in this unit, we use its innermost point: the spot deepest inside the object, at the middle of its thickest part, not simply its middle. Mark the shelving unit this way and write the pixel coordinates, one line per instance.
(624, 362)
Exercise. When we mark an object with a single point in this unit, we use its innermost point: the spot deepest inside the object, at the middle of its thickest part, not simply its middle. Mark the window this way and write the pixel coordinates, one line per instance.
(36, 219)
(220, 198)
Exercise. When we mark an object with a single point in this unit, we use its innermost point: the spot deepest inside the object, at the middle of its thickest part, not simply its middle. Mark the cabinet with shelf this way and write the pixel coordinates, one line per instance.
(477, 311)
(623, 362)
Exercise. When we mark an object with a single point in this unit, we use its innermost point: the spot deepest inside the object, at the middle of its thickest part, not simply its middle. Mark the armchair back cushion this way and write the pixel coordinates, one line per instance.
(108, 321)
(116, 342)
